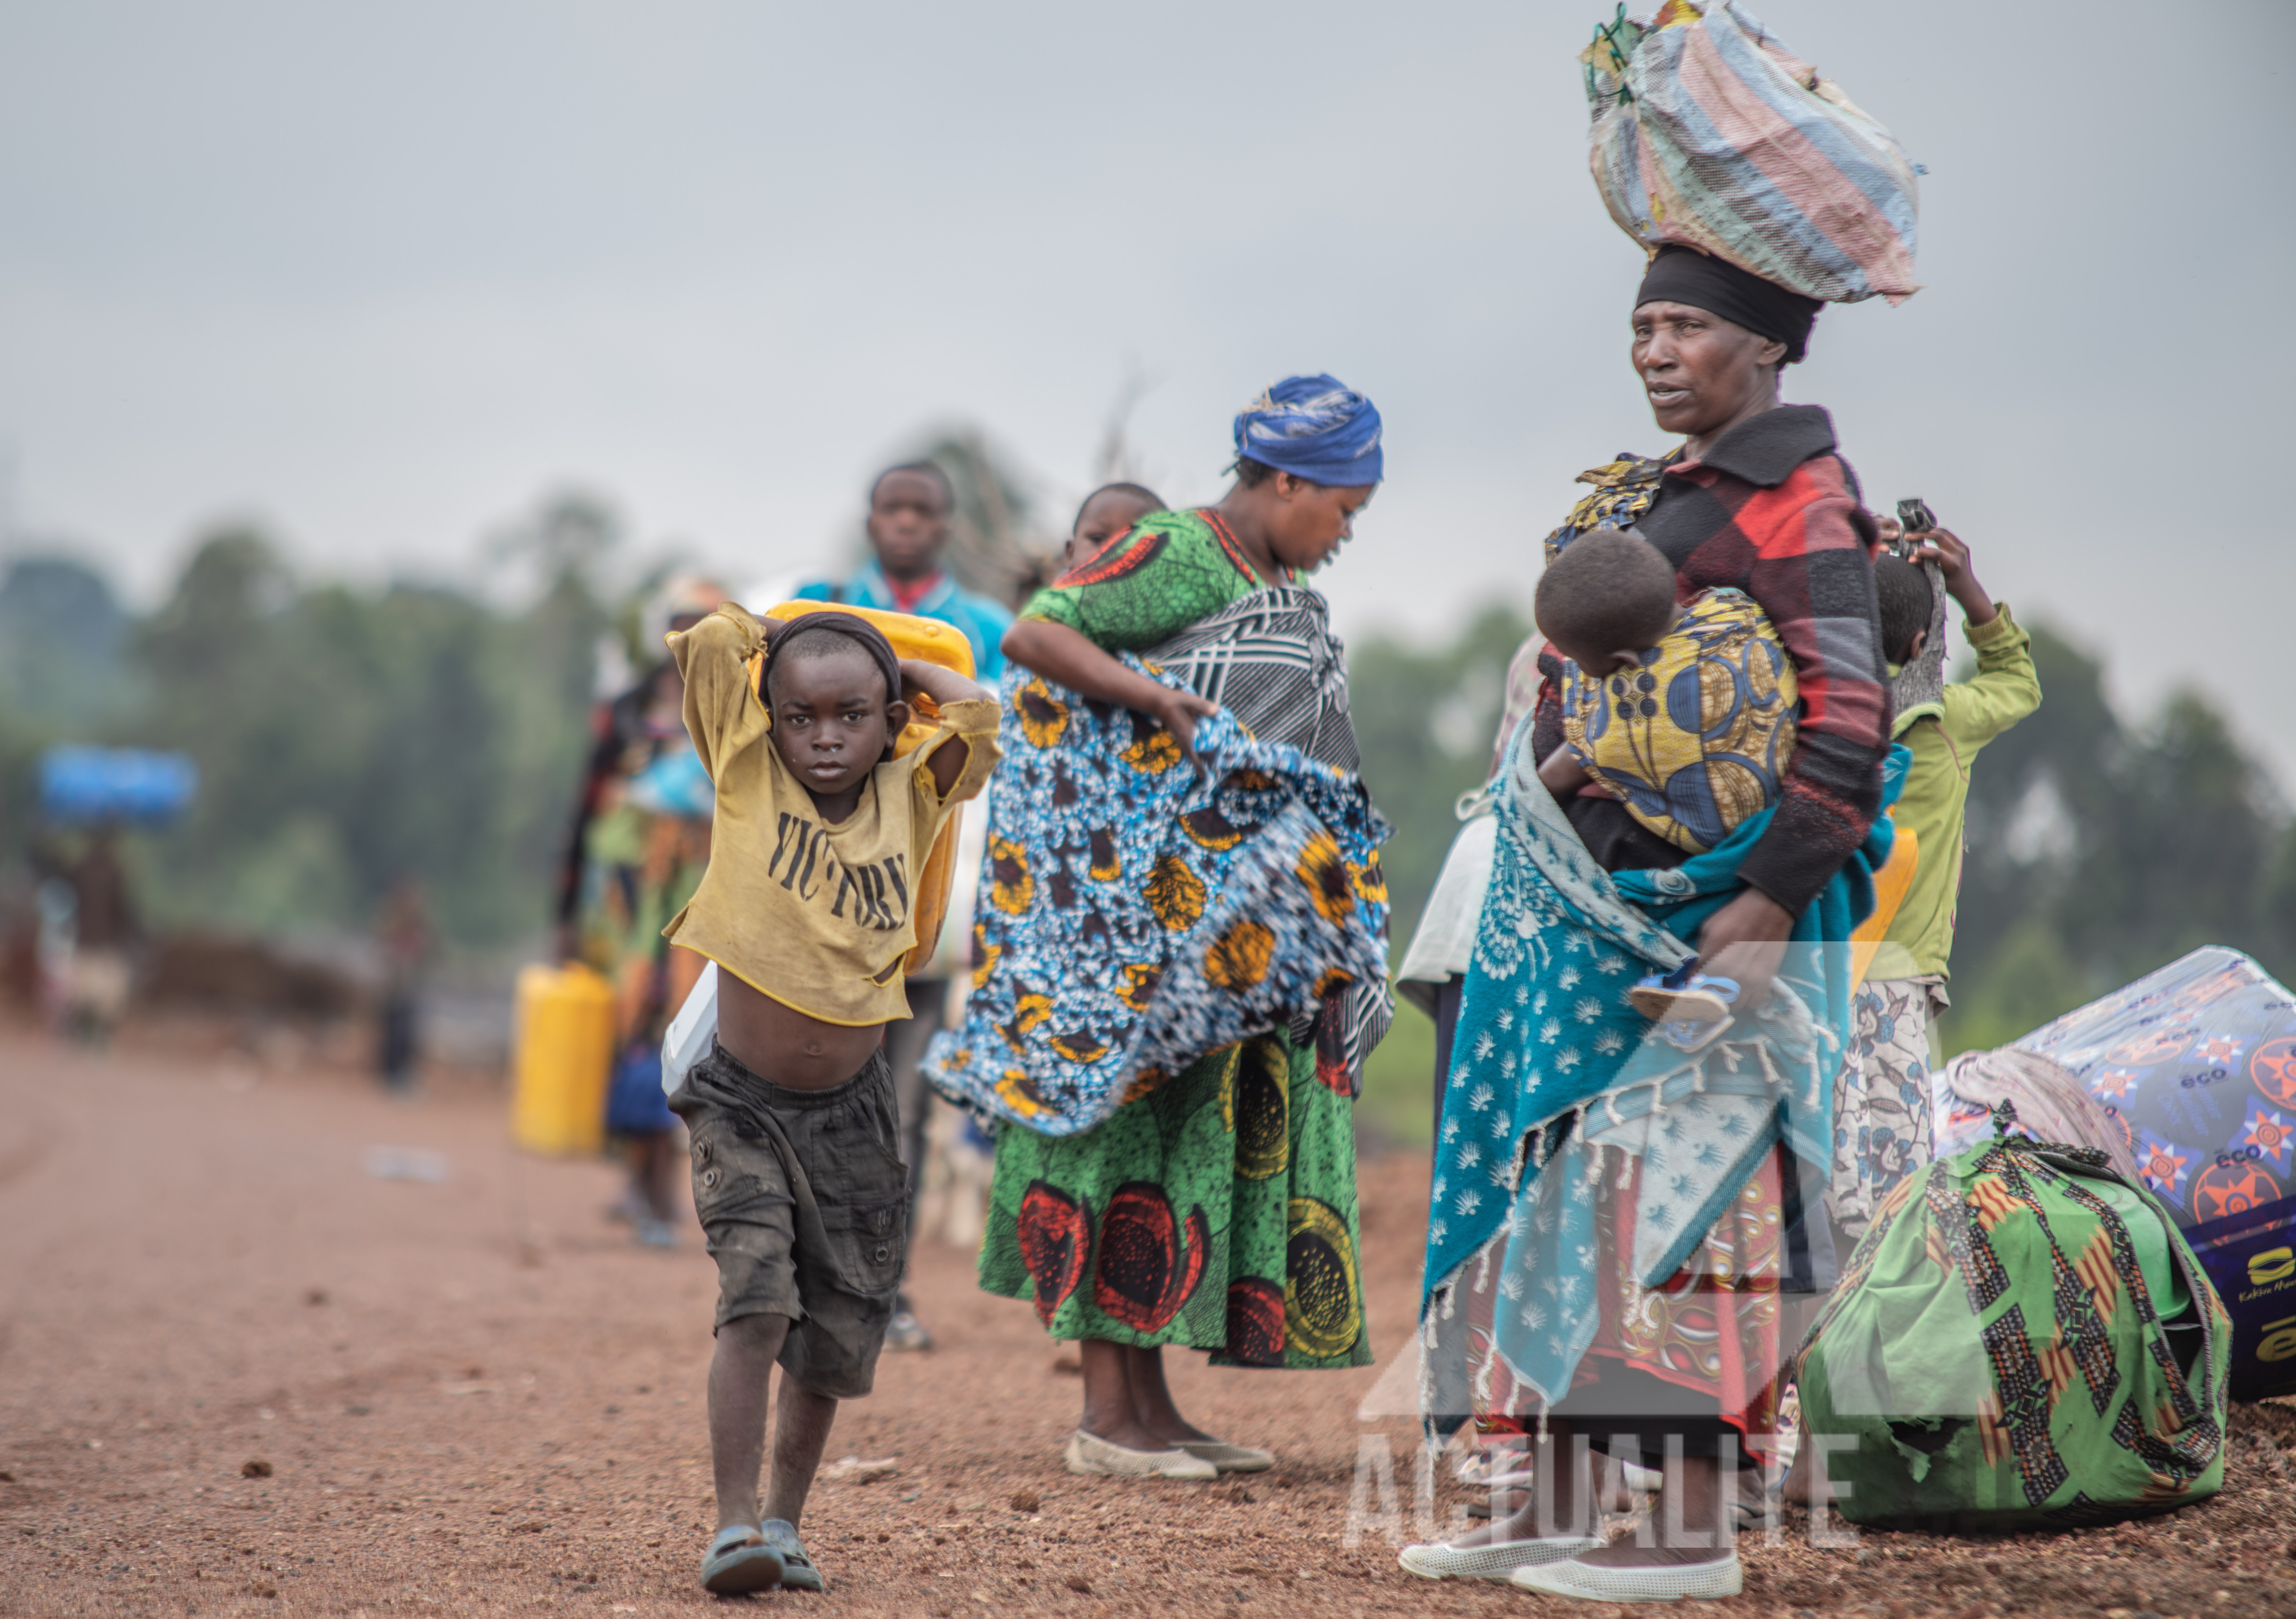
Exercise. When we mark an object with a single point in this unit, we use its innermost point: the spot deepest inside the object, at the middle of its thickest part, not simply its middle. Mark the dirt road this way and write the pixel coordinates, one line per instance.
(239, 1373)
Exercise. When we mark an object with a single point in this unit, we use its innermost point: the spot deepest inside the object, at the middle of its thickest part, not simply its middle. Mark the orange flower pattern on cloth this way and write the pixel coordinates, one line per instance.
(1239, 958)
(1140, 917)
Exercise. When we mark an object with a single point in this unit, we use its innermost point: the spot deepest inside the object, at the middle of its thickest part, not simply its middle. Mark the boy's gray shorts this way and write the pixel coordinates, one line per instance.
(804, 1201)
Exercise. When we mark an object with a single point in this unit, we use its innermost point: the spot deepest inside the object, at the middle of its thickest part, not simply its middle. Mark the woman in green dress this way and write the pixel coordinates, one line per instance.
(1253, 1143)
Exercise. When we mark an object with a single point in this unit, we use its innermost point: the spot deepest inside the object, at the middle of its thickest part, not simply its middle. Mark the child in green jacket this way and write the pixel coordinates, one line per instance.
(1881, 1104)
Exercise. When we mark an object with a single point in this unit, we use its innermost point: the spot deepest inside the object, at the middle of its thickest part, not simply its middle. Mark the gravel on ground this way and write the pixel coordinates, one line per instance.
(242, 1372)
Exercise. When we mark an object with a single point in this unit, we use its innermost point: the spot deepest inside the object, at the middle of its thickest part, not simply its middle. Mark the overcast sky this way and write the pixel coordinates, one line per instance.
(381, 274)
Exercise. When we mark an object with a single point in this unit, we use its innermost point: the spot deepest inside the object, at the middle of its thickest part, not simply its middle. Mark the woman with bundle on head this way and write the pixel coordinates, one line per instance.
(1181, 946)
(1622, 1205)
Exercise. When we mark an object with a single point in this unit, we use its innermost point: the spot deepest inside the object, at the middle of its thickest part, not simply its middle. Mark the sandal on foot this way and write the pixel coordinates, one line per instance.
(1634, 1582)
(1442, 1560)
(1228, 1458)
(1089, 1456)
(798, 1572)
(739, 1562)
(1691, 1007)
(904, 1334)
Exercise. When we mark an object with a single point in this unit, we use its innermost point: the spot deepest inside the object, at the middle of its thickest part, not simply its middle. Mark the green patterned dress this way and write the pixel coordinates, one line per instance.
(1218, 1211)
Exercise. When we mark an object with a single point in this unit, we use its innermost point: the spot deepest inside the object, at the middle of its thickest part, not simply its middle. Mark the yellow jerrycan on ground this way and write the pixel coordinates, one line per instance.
(562, 1056)
(929, 641)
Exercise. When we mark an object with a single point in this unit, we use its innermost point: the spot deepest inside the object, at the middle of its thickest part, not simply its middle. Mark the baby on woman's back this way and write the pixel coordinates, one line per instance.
(1684, 710)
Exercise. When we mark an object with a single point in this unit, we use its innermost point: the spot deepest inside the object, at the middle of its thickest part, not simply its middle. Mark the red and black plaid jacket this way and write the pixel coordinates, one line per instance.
(1772, 511)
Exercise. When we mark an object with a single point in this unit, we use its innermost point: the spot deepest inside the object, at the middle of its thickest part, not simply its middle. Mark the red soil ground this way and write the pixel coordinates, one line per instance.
(474, 1396)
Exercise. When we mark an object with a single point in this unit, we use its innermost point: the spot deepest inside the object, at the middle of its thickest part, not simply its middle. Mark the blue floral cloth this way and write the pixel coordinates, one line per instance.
(1134, 913)
(1553, 1067)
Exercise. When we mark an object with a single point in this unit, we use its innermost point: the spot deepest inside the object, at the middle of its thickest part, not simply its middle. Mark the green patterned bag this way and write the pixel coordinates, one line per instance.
(2022, 1339)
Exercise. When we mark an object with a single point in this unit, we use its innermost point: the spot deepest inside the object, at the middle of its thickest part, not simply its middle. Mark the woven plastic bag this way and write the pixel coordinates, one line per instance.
(1709, 133)
(2194, 1067)
(2022, 1340)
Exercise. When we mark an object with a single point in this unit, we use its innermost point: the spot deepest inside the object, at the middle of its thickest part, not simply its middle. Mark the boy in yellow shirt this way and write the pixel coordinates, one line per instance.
(1881, 1123)
(818, 839)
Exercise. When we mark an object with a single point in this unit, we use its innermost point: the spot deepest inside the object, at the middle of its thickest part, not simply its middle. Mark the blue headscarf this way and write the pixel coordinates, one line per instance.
(1315, 427)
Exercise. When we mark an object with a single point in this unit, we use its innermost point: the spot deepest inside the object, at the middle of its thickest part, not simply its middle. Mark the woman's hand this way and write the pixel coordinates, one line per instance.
(1179, 713)
(1068, 657)
(1746, 940)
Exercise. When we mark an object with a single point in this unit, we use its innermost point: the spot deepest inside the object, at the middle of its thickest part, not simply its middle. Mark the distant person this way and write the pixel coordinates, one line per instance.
(1882, 1111)
(106, 931)
(646, 850)
(404, 932)
(819, 834)
(909, 510)
(625, 734)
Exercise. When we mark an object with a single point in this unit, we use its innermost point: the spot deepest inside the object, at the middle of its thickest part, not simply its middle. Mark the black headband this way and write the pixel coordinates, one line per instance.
(871, 639)
(1684, 275)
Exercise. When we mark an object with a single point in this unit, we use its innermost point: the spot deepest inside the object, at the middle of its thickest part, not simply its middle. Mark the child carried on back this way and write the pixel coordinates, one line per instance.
(1683, 710)
(808, 909)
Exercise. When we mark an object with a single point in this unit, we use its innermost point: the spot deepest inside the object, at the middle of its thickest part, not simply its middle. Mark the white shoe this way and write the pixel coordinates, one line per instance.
(1094, 1457)
(1646, 1583)
(1442, 1560)
(1228, 1458)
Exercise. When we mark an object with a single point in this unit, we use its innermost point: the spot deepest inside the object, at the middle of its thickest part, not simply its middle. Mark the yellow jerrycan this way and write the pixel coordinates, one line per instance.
(1892, 883)
(562, 1058)
(929, 641)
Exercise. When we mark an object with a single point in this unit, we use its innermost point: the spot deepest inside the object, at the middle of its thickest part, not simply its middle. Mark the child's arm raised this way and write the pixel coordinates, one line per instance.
(2006, 687)
(1061, 654)
(713, 657)
(944, 686)
(951, 692)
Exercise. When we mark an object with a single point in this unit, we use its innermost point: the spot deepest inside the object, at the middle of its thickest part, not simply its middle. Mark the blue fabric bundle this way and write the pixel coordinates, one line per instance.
(1135, 914)
(1315, 427)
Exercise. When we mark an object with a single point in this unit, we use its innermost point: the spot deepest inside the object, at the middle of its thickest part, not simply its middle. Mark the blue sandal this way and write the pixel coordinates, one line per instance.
(739, 1562)
(1690, 1007)
(798, 1572)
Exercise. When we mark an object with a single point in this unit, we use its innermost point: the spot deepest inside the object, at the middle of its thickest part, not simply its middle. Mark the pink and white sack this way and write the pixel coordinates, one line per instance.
(1709, 133)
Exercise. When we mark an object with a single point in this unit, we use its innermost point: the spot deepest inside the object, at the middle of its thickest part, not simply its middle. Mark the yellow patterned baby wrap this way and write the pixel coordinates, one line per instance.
(1696, 740)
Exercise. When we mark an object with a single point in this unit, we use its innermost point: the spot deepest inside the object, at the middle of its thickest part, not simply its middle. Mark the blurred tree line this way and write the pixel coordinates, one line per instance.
(2098, 849)
(349, 735)
(346, 735)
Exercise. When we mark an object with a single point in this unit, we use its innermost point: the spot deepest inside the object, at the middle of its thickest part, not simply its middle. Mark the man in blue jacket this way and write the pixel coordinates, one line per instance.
(909, 509)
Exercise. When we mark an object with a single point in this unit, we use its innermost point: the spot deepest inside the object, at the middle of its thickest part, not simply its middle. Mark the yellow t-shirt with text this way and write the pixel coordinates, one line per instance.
(816, 915)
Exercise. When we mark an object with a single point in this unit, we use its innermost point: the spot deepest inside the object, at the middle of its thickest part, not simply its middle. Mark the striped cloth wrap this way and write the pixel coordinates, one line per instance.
(1709, 133)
